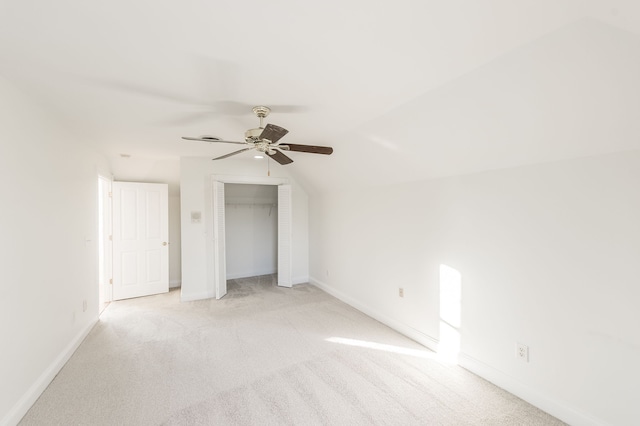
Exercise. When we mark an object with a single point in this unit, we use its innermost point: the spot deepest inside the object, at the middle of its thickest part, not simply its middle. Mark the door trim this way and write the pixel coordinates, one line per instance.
(105, 273)
(256, 180)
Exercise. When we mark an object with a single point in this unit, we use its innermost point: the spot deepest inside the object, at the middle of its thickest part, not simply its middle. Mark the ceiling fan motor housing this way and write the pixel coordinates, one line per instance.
(253, 135)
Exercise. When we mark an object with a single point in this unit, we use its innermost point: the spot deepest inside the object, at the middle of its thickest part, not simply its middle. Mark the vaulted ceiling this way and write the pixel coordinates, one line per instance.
(403, 90)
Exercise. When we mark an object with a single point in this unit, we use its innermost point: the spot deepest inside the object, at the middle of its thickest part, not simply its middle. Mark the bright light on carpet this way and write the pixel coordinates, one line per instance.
(382, 347)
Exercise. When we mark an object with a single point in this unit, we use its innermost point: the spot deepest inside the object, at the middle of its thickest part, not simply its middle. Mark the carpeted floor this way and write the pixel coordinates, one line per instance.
(263, 355)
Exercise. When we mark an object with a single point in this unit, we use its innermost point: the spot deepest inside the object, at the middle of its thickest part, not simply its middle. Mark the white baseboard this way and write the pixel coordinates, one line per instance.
(251, 274)
(175, 283)
(196, 296)
(18, 411)
(208, 295)
(300, 280)
(401, 328)
(295, 280)
(557, 409)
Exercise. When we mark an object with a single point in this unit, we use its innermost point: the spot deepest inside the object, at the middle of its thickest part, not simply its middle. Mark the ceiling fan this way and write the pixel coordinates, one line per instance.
(266, 140)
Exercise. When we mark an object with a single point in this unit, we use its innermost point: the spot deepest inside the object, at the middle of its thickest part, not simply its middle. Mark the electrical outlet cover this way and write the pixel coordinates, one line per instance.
(522, 352)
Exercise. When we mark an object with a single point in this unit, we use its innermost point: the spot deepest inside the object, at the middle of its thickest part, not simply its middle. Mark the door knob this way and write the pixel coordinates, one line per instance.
(164, 243)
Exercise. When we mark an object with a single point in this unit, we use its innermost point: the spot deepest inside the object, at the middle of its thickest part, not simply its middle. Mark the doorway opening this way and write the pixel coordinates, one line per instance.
(216, 245)
(251, 230)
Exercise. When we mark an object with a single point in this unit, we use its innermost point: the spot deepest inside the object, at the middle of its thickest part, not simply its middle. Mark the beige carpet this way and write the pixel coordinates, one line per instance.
(263, 355)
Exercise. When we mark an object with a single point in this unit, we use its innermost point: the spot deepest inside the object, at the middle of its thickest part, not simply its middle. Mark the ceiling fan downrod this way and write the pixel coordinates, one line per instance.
(261, 112)
(253, 135)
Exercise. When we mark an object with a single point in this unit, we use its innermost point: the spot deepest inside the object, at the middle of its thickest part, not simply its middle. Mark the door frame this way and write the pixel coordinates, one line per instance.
(105, 241)
(219, 239)
(211, 259)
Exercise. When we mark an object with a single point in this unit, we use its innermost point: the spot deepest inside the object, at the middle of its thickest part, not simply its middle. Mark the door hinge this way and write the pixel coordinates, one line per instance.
(110, 237)
(110, 194)
(110, 280)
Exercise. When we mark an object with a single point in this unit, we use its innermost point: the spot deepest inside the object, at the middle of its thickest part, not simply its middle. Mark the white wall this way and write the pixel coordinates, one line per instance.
(548, 255)
(195, 193)
(48, 223)
(251, 230)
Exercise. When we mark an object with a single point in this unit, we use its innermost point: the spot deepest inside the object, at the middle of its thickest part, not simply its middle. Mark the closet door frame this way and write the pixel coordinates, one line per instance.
(213, 213)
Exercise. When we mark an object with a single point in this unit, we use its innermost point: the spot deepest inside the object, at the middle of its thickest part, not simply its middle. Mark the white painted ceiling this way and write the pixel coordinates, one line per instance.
(403, 89)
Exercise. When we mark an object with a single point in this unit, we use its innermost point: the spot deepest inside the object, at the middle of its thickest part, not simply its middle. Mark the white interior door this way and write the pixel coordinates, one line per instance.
(220, 273)
(284, 236)
(140, 239)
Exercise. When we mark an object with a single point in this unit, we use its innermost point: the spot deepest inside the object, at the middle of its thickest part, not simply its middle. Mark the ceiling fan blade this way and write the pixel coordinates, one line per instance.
(233, 153)
(314, 149)
(212, 140)
(273, 133)
(280, 157)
